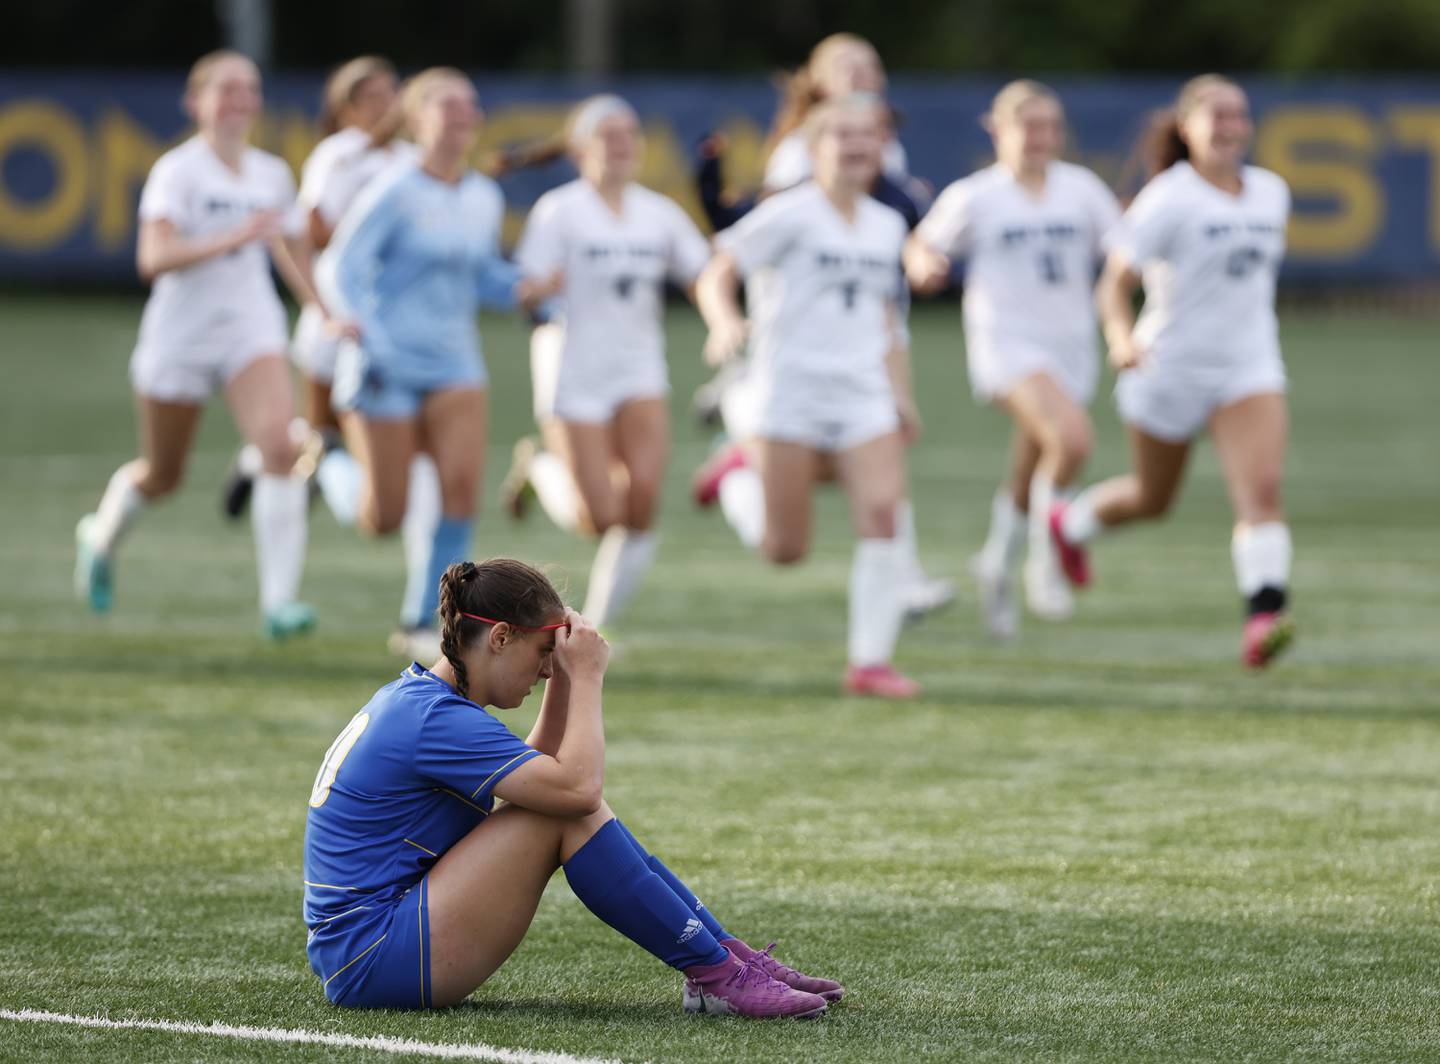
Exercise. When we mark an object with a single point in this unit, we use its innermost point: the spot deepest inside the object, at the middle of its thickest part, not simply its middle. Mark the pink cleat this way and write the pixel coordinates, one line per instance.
(705, 487)
(739, 987)
(1266, 635)
(879, 681)
(1074, 559)
(828, 989)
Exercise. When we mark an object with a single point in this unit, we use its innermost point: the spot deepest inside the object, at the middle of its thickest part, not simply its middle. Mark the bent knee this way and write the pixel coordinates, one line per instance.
(1155, 507)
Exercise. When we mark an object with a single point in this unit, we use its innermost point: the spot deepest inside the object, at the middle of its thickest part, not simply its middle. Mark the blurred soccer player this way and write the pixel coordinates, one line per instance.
(841, 65)
(1205, 237)
(359, 119)
(209, 211)
(821, 263)
(600, 379)
(417, 889)
(411, 262)
(1029, 228)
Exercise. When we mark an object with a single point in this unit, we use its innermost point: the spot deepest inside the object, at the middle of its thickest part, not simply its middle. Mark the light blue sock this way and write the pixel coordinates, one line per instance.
(683, 892)
(612, 879)
(451, 543)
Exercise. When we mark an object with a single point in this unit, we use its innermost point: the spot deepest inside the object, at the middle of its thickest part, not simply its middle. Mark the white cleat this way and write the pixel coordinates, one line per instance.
(1047, 592)
(998, 608)
(927, 594)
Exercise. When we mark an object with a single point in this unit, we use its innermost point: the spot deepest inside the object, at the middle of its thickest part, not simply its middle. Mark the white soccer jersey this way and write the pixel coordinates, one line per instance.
(790, 163)
(200, 196)
(340, 166)
(1030, 266)
(615, 268)
(821, 291)
(1208, 260)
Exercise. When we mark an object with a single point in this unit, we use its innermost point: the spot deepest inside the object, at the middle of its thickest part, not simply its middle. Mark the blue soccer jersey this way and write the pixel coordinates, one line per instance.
(411, 263)
(409, 776)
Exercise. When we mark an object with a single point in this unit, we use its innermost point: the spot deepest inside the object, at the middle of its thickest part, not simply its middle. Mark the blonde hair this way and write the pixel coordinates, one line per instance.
(1162, 146)
(822, 114)
(1008, 101)
(342, 85)
(204, 67)
(419, 88)
(585, 117)
(800, 90)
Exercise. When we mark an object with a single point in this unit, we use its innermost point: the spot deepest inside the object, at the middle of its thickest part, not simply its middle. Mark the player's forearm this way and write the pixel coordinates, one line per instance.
(897, 365)
(1115, 303)
(157, 253)
(582, 749)
(717, 293)
(292, 258)
(549, 728)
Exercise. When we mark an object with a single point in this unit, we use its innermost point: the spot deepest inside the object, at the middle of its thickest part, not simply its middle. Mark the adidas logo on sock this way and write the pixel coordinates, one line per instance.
(692, 928)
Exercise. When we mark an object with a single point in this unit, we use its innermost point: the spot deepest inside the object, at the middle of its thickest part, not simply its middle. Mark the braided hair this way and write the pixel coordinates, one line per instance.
(502, 588)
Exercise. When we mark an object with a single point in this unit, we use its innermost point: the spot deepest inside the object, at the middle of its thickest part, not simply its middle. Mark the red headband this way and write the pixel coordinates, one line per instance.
(512, 624)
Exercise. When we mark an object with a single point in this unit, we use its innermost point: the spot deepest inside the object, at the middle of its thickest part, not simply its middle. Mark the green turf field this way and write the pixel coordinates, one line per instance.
(1103, 842)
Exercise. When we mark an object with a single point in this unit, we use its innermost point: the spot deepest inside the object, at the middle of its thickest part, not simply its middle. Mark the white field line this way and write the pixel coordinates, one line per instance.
(378, 1043)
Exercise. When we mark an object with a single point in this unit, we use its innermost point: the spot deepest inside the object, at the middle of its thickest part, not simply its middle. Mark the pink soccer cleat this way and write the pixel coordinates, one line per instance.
(739, 987)
(705, 487)
(1074, 558)
(879, 681)
(1266, 635)
(828, 989)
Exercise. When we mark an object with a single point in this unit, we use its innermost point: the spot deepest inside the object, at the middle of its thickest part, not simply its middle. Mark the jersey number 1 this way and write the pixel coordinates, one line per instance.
(335, 757)
(1052, 270)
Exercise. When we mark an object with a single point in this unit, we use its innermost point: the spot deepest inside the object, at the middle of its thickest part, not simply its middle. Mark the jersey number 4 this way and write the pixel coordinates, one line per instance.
(335, 757)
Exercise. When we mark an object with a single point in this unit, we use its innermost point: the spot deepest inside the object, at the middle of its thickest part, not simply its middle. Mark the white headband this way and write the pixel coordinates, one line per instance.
(586, 122)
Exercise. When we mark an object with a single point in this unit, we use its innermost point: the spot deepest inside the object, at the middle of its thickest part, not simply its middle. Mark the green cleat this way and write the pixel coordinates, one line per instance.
(92, 569)
(291, 619)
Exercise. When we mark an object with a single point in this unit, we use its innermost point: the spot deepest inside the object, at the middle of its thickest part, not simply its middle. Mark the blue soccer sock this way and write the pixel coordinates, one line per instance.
(612, 879)
(451, 543)
(683, 892)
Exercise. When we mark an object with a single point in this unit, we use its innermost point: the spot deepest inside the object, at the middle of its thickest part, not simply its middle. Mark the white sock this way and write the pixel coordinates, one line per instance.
(119, 507)
(621, 562)
(1042, 497)
(278, 514)
(1262, 555)
(1080, 523)
(249, 461)
(1007, 533)
(339, 478)
(742, 501)
(876, 600)
(909, 544)
(417, 533)
(555, 488)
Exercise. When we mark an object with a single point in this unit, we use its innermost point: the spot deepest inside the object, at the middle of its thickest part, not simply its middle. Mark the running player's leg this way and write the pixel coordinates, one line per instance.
(1144, 494)
(1062, 434)
(994, 567)
(454, 425)
(641, 436)
(381, 449)
(786, 472)
(261, 402)
(873, 475)
(1250, 440)
(167, 430)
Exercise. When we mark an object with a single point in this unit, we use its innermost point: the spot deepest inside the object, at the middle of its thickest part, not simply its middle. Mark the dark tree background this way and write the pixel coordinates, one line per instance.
(712, 36)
